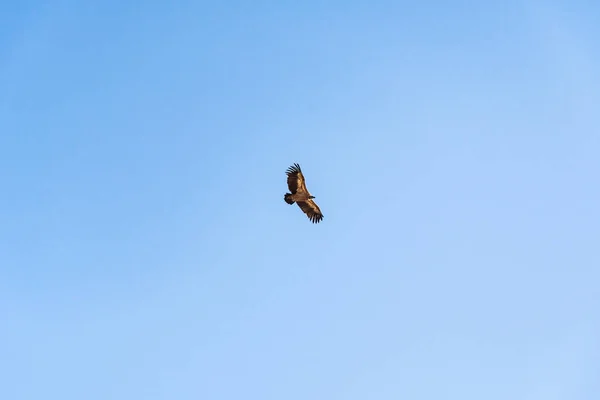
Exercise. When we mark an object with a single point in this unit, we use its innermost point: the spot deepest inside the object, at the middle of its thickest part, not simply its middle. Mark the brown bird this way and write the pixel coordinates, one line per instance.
(300, 195)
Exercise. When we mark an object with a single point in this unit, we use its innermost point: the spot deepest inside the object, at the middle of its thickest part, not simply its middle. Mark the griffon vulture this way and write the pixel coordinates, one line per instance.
(300, 195)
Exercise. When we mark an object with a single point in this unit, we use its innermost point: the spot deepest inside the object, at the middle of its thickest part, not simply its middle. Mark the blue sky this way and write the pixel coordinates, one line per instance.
(146, 251)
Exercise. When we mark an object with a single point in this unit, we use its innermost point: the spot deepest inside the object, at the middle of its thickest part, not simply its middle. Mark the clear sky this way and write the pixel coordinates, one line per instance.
(146, 251)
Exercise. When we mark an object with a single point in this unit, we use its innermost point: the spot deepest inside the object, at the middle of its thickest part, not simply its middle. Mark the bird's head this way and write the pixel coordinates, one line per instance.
(311, 197)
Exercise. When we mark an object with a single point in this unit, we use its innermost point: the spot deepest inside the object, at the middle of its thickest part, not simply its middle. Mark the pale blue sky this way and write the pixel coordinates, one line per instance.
(146, 251)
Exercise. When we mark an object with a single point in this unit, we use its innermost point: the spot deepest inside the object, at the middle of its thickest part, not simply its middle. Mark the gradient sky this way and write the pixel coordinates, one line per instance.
(146, 251)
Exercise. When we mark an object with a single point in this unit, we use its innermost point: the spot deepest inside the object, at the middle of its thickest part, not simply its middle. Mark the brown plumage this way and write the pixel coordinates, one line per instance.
(300, 195)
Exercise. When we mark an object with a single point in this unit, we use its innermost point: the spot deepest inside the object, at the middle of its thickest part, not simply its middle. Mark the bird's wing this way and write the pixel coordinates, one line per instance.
(295, 179)
(311, 209)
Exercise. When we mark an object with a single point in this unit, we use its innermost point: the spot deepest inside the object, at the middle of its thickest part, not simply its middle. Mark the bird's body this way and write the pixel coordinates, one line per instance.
(292, 198)
(300, 195)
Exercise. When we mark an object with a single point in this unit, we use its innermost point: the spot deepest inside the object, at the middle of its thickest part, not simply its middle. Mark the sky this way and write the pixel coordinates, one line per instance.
(146, 251)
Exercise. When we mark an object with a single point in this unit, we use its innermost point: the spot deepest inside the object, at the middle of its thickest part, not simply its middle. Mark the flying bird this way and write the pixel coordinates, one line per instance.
(300, 195)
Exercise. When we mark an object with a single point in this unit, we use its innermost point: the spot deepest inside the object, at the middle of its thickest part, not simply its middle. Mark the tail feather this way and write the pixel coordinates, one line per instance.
(288, 198)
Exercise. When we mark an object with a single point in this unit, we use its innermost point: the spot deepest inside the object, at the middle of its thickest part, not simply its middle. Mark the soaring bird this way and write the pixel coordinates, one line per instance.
(300, 195)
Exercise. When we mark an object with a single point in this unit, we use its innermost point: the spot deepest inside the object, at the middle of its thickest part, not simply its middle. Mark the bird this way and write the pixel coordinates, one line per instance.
(300, 195)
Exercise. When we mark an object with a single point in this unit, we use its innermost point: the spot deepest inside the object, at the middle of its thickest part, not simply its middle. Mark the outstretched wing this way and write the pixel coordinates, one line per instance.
(295, 179)
(311, 209)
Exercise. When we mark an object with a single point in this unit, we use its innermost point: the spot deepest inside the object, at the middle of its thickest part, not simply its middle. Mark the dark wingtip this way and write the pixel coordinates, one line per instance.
(315, 219)
(293, 169)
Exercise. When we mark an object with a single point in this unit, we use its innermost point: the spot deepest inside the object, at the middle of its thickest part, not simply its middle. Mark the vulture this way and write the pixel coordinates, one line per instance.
(300, 195)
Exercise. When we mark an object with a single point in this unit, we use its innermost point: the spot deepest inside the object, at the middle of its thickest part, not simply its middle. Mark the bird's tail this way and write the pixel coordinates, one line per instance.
(288, 198)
